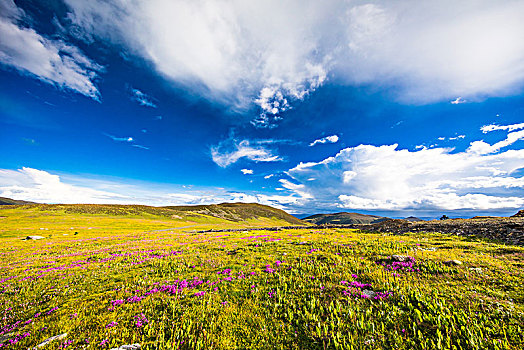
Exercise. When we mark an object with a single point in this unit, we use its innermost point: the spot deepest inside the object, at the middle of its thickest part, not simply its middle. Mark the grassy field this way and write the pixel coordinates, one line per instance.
(109, 280)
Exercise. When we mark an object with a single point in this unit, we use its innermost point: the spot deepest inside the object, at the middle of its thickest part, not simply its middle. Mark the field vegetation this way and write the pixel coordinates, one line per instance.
(103, 280)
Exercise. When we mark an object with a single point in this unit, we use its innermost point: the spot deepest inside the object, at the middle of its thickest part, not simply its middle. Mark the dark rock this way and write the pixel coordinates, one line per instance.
(520, 214)
(400, 258)
(28, 238)
(453, 262)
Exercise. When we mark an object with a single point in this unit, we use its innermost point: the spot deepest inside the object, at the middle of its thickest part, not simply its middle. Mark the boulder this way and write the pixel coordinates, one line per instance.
(400, 258)
(128, 347)
(366, 293)
(5, 337)
(28, 238)
(453, 262)
(49, 340)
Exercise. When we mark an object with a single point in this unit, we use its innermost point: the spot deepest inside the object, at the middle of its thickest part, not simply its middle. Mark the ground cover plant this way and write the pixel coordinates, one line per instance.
(287, 289)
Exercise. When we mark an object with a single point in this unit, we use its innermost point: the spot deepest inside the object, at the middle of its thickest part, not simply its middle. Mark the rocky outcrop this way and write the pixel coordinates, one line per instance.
(520, 214)
(508, 230)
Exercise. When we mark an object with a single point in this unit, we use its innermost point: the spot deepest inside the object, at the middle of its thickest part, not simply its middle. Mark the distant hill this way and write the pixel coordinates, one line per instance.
(343, 219)
(413, 219)
(9, 201)
(227, 212)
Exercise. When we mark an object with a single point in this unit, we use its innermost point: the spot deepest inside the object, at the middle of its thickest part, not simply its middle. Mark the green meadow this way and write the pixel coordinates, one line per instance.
(124, 276)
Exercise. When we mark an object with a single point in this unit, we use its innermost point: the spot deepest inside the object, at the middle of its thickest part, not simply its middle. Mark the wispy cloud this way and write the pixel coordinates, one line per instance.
(126, 139)
(120, 139)
(30, 141)
(247, 171)
(327, 139)
(140, 146)
(231, 150)
(143, 99)
(458, 100)
(49, 60)
(482, 147)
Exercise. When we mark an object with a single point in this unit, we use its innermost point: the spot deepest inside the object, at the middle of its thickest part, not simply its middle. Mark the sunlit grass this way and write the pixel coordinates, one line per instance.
(293, 289)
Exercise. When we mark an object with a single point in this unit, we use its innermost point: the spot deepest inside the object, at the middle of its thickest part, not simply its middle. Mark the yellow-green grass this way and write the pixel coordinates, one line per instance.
(288, 289)
(22, 221)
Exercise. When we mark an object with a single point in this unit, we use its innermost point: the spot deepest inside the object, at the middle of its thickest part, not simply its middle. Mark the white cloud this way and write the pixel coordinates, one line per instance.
(230, 151)
(371, 177)
(247, 171)
(457, 101)
(51, 61)
(482, 147)
(457, 137)
(120, 139)
(44, 187)
(492, 127)
(327, 139)
(143, 99)
(273, 53)
(269, 176)
(141, 147)
(128, 139)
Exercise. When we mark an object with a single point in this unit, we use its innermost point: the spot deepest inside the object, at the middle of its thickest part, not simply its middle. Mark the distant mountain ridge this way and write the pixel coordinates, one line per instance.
(9, 201)
(344, 218)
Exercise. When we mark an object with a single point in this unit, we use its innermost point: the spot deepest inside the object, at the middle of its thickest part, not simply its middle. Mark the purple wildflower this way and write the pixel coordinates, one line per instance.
(112, 324)
(141, 321)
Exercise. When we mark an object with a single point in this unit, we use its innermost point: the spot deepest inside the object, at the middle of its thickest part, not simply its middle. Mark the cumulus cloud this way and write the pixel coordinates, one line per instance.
(247, 171)
(52, 61)
(142, 98)
(273, 53)
(327, 139)
(44, 187)
(231, 150)
(385, 177)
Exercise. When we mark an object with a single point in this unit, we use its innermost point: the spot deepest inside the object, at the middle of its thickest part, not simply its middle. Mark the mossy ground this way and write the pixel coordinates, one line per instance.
(123, 282)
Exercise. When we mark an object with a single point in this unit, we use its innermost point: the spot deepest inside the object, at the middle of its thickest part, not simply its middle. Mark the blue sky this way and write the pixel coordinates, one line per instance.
(392, 108)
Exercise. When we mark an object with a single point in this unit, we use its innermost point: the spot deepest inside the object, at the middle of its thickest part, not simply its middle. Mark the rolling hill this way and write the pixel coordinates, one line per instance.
(9, 201)
(238, 212)
(103, 216)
